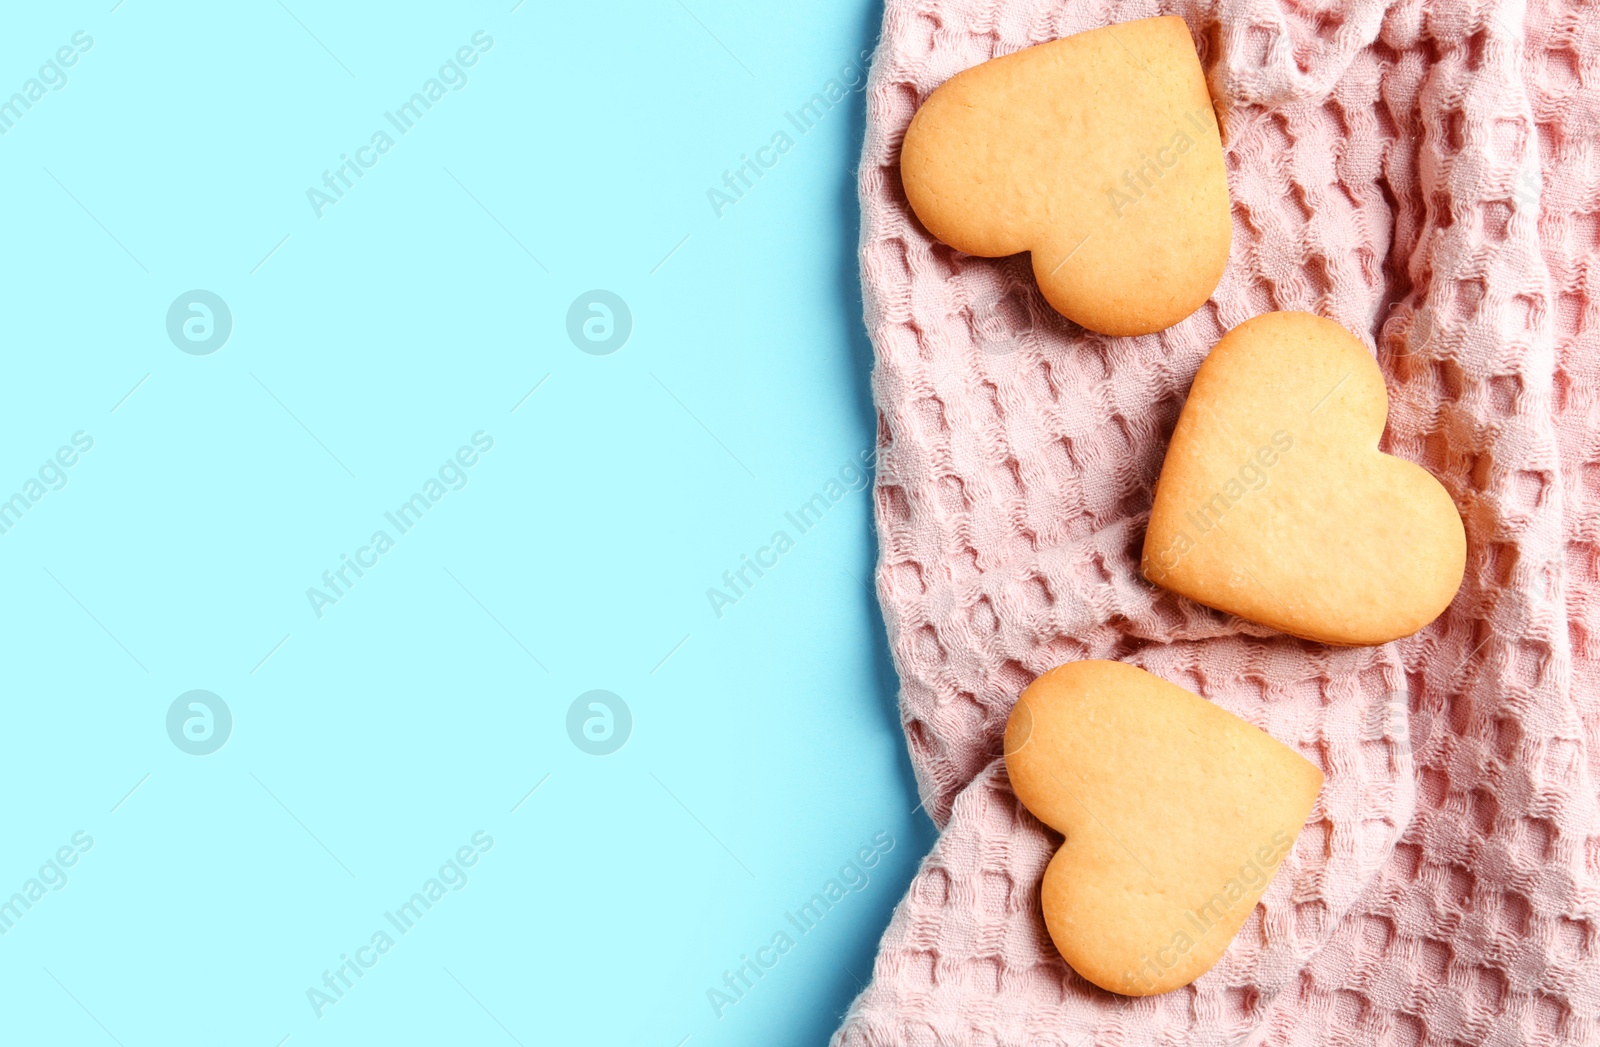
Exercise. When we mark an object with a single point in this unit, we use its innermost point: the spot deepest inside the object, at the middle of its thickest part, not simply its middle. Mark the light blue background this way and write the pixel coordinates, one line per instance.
(369, 745)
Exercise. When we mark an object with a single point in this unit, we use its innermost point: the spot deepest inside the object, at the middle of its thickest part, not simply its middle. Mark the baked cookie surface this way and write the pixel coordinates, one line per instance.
(1275, 504)
(1176, 814)
(1099, 154)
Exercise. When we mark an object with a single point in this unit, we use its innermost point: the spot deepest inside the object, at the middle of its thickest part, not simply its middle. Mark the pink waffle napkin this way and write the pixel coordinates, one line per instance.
(1428, 174)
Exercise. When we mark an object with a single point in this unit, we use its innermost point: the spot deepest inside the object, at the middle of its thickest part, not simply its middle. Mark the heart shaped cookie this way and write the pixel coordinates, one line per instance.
(1098, 153)
(1176, 814)
(1275, 504)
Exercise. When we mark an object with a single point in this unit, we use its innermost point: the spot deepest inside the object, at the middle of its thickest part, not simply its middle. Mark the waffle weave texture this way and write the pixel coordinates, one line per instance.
(1428, 175)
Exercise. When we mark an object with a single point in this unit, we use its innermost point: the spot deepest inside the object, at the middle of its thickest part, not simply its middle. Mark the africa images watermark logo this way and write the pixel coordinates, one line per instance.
(199, 722)
(1140, 178)
(599, 722)
(451, 476)
(451, 877)
(599, 322)
(737, 582)
(1256, 869)
(52, 874)
(1389, 721)
(52, 476)
(1252, 475)
(452, 74)
(739, 181)
(199, 322)
(852, 878)
(53, 74)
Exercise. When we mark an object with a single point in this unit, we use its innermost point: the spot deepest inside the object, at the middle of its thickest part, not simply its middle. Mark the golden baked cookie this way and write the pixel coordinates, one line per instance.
(1098, 153)
(1176, 814)
(1275, 504)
